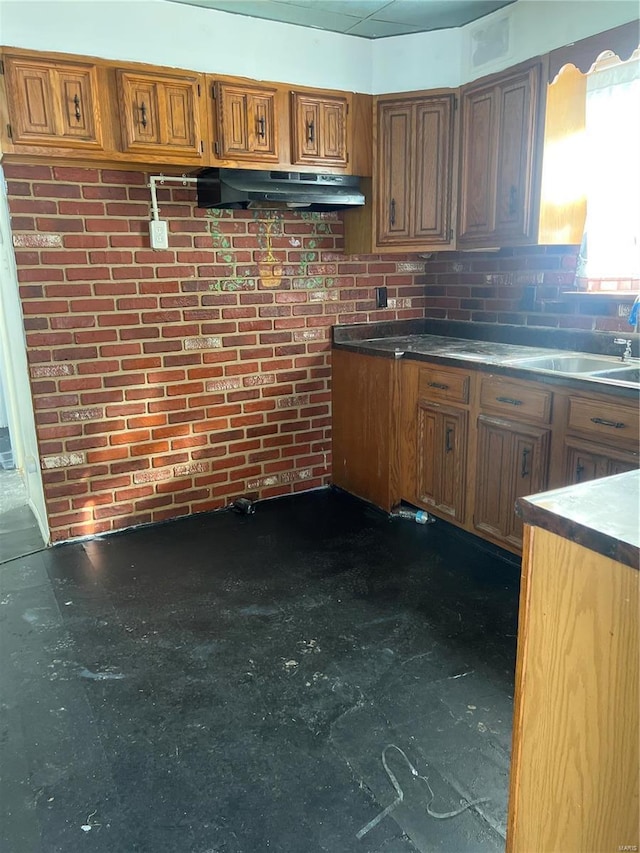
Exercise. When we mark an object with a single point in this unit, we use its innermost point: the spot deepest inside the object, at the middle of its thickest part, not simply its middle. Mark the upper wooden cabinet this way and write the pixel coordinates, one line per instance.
(246, 122)
(160, 113)
(52, 103)
(83, 108)
(414, 178)
(501, 133)
(319, 129)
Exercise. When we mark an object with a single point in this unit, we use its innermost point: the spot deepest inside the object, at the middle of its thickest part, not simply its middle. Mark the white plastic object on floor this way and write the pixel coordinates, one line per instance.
(417, 515)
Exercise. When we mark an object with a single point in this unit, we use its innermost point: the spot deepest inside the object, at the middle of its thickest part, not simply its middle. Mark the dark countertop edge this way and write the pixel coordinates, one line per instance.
(566, 380)
(582, 532)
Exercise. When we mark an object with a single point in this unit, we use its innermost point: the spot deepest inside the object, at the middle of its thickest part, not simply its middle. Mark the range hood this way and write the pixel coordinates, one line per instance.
(241, 189)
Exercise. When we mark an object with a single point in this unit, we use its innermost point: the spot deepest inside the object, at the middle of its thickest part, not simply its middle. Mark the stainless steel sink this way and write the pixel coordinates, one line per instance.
(622, 374)
(566, 363)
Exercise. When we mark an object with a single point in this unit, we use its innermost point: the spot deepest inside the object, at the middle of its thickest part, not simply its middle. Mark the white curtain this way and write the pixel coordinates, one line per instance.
(610, 260)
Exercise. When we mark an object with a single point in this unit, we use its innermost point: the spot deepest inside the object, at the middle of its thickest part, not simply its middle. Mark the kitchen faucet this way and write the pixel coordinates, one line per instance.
(627, 347)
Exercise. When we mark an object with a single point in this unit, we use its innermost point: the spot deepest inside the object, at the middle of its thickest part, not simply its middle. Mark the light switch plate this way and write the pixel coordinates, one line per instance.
(158, 234)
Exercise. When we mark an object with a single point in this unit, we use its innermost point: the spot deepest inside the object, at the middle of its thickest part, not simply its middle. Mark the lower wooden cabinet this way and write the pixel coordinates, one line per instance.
(512, 462)
(442, 453)
(364, 437)
(466, 444)
(588, 461)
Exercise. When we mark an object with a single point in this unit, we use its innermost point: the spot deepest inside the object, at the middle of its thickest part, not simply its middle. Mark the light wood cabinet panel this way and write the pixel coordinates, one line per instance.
(53, 103)
(512, 462)
(501, 147)
(160, 113)
(319, 129)
(246, 122)
(574, 768)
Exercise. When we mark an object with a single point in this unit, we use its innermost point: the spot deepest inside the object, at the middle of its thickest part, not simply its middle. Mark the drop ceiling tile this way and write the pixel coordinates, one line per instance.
(437, 14)
(353, 8)
(380, 29)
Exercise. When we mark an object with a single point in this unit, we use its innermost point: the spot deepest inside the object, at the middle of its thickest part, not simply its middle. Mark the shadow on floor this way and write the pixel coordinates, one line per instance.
(229, 683)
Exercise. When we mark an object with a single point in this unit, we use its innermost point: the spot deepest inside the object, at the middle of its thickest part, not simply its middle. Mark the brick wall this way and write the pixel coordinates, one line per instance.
(166, 383)
(524, 286)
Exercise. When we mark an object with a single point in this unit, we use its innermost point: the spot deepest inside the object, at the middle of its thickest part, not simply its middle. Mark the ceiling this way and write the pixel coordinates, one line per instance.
(371, 19)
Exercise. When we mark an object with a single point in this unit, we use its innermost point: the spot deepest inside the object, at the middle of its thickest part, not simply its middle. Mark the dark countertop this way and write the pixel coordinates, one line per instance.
(602, 515)
(441, 344)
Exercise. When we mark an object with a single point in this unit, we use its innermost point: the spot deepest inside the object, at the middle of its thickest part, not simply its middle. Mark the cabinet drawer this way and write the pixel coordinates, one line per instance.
(604, 419)
(516, 400)
(442, 384)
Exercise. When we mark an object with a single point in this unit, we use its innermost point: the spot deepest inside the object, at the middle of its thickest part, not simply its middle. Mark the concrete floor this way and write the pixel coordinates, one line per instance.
(228, 684)
(19, 531)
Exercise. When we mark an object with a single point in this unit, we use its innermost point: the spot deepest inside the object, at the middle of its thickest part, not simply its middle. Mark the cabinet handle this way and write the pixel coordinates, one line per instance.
(447, 441)
(523, 471)
(513, 200)
(438, 385)
(392, 212)
(614, 424)
(76, 103)
(261, 127)
(509, 400)
(143, 114)
(311, 132)
(579, 470)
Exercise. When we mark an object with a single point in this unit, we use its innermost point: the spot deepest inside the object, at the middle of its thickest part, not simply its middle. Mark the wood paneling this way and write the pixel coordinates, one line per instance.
(575, 758)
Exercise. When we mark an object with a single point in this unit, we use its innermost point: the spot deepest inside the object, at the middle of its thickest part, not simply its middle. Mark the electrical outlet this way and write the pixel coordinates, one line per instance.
(158, 234)
(381, 297)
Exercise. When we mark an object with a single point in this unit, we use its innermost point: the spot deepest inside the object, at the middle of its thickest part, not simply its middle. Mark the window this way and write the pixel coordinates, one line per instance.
(609, 259)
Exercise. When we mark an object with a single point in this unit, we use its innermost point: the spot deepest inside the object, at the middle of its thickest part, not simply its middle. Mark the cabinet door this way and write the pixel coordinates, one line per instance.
(478, 166)
(515, 147)
(319, 132)
(585, 460)
(395, 156)
(160, 114)
(499, 171)
(364, 426)
(433, 171)
(53, 103)
(512, 462)
(246, 122)
(442, 443)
